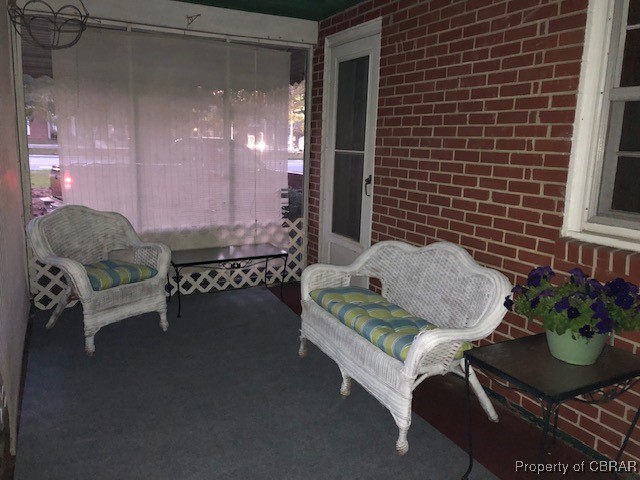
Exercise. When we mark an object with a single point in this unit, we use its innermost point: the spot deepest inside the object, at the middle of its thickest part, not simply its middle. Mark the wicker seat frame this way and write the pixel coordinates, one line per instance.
(440, 283)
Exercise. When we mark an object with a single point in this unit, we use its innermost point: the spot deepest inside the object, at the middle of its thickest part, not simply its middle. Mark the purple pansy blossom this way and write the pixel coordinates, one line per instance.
(586, 331)
(593, 288)
(624, 301)
(619, 286)
(599, 310)
(519, 289)
(562, 304)
(605, 325)
(573, 312)
(577, 276)
(538, 274)
(508, 304)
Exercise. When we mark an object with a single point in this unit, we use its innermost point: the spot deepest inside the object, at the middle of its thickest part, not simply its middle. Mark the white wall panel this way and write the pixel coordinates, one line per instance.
(14, 296)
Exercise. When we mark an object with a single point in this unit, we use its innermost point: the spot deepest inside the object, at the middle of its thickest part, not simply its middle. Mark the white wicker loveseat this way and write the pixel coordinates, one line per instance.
(107, 267)
(440, 283)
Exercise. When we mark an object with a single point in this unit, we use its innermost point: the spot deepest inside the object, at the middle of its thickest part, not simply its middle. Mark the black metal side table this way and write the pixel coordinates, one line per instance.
(528, 366)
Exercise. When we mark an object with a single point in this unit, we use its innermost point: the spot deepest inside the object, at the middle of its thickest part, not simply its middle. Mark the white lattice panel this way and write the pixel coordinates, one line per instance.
(47, 283)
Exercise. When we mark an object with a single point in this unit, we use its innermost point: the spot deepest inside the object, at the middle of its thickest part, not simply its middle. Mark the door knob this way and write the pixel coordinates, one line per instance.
(367, 182)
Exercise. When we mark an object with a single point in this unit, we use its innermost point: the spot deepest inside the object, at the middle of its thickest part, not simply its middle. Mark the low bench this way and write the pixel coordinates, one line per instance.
(434, 301)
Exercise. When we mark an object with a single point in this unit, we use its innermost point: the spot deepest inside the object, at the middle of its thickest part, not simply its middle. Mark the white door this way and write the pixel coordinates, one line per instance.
(352, 61)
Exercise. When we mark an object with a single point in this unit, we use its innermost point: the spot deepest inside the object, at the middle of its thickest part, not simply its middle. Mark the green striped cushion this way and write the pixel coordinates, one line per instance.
(110, 273)
(388, 326)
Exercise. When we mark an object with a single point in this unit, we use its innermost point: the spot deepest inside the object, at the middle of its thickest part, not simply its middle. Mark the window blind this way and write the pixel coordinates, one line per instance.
(173, 132)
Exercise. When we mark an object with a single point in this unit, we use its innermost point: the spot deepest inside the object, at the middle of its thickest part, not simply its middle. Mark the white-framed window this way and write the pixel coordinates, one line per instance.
(603, 196)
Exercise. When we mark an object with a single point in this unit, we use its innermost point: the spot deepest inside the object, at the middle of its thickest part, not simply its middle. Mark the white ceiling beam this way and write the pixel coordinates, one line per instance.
(219, 21)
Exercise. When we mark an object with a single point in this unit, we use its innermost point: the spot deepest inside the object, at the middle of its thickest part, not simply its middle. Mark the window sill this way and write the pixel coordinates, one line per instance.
(604, 240)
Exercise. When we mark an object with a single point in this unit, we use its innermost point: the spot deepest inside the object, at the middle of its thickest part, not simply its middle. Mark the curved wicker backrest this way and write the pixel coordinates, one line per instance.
(440, 282)
(79, 233)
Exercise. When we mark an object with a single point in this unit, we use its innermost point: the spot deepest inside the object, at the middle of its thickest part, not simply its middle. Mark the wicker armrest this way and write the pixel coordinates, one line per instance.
(74, 271)
(156, 255)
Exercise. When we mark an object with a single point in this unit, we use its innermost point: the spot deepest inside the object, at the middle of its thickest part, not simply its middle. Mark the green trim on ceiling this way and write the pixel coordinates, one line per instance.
(306, 9)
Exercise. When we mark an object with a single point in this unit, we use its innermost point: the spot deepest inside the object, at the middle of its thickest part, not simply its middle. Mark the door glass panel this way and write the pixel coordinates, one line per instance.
(353, 76)
(347, 194)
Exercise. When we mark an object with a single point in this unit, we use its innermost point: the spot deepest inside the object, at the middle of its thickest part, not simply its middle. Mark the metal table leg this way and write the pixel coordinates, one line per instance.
(469, 433)
(629, 432)
(548, 408)
(284, 272)
(177, 279)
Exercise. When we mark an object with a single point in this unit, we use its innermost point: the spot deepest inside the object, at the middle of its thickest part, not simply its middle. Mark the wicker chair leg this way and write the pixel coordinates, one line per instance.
(345, 388)
(62, 304)
(486, 404)
(402, 445)
(302, 351)
(89, 345)
(164, 324)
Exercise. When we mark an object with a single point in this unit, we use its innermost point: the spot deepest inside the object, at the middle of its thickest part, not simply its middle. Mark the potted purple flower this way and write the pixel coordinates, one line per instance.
(579, 313)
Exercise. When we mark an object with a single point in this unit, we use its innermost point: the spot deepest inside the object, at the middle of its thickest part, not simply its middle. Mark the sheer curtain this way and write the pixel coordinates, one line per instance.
(174, 132)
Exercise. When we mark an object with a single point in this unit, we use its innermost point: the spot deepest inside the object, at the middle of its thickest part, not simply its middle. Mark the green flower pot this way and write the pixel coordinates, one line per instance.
(576, 352)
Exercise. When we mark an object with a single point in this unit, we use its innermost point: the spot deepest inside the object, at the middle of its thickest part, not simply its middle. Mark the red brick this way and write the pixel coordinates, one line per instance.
(620, 262)
(493, 184)
(556, 116)
(516, 89)
(462, 204)
(492, 11)
(534, 258)
(568, 22)
(476, 193)
(601, 430)
(527, 159)
(535, 73)
(506, 198)
(508, 225)
(492, 209)
(524, 241)
(531, 188)
(547, 175)
(552, 220)
(538, 231)
(473, 242)
(508, 172)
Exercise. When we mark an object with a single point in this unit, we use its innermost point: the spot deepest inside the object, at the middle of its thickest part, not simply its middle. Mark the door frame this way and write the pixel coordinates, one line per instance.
(373, 29)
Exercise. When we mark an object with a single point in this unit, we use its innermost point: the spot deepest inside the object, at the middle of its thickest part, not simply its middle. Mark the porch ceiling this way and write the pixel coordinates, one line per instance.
(305, 9)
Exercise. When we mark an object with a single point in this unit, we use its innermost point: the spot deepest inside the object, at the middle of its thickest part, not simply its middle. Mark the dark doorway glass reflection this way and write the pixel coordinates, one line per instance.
(353, 76)
(347, 195)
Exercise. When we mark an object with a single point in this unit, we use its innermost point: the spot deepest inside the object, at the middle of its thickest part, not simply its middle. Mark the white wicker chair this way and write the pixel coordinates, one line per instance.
(440, 283)
(72, 236)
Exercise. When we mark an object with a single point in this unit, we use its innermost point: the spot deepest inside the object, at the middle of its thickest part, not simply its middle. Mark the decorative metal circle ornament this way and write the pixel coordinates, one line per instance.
(49, 28)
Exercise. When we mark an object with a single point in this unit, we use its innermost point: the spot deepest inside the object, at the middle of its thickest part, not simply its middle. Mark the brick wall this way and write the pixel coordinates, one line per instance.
(475, 119)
